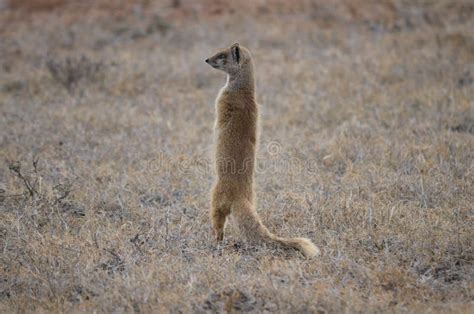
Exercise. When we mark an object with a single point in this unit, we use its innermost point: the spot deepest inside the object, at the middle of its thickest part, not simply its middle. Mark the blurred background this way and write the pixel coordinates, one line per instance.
(106, 121)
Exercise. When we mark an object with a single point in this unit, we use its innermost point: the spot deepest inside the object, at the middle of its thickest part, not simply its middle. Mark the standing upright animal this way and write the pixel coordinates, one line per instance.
(236, 144)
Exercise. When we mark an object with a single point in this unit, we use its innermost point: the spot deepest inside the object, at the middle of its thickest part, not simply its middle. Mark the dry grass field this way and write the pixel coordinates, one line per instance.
(367, 148)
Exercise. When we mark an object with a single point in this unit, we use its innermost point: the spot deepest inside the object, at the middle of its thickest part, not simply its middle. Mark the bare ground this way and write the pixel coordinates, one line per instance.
(367, 148)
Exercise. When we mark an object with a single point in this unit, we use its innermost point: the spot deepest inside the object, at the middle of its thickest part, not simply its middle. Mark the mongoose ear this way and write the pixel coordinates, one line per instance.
(235, 49)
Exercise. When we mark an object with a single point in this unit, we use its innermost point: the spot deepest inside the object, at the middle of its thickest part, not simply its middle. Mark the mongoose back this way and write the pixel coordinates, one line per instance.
(236, 143)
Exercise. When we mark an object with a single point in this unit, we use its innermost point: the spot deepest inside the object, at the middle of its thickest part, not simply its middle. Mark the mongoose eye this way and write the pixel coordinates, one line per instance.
(221, 56)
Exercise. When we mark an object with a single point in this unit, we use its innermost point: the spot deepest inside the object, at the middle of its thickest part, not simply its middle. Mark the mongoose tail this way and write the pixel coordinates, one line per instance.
(251, 225)
(304, 245)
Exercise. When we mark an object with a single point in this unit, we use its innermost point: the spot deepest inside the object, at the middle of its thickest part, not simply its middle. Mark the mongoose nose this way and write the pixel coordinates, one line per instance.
(207, 60)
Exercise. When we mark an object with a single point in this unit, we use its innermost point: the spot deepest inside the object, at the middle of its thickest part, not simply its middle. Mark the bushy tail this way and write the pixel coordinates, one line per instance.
(250, 223)
(304, 245)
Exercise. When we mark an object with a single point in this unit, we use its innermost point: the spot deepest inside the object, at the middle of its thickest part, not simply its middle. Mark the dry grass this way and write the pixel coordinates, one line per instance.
(106, 114)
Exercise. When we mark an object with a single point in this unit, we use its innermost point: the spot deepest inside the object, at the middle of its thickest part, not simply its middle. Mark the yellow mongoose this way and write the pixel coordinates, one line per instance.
(236, 139)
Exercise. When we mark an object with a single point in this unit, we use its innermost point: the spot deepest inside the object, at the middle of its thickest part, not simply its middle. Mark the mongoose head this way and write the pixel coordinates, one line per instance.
(230, 60)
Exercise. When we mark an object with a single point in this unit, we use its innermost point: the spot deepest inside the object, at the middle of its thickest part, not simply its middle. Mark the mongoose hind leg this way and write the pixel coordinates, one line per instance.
(218, 220)
(219, 212)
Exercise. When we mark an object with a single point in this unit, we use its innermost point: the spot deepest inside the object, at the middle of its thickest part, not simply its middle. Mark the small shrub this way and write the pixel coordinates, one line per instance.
(70, 72)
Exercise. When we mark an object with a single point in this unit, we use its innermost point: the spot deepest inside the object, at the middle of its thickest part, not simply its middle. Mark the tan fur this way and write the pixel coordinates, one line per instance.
(236, 144)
